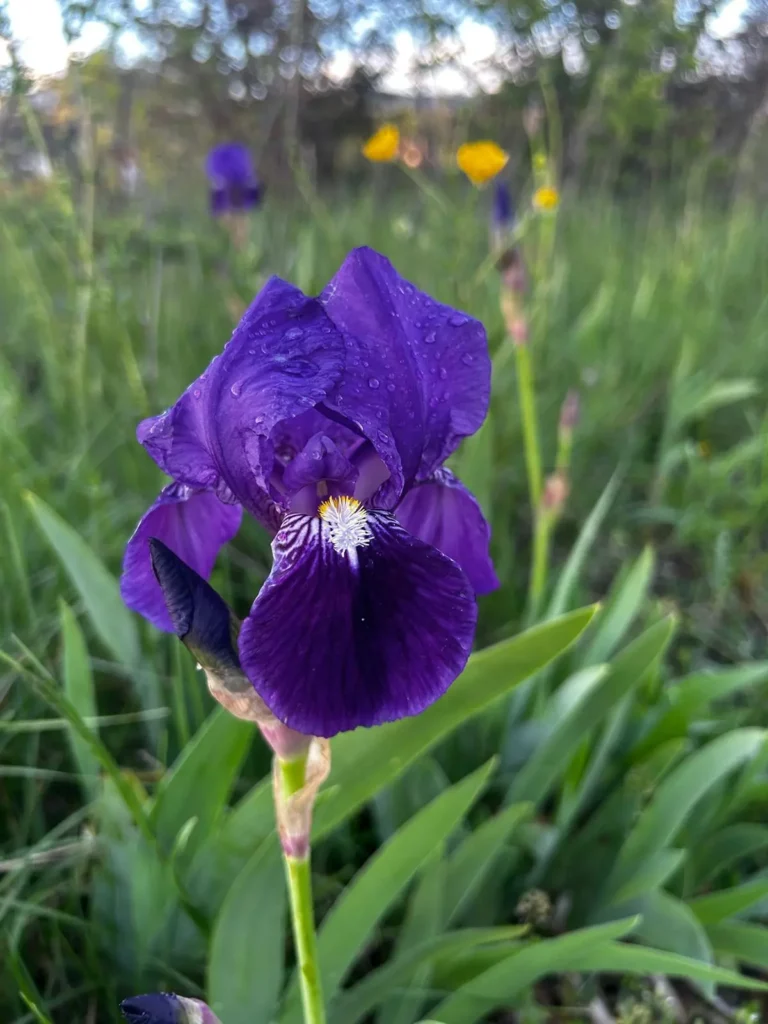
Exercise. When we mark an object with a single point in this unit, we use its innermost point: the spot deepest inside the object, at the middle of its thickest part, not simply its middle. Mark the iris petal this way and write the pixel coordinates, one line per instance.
(194, 525)
(442, 512)
(156, 1008)
(282, 360)
(417, 373)
(339, 640)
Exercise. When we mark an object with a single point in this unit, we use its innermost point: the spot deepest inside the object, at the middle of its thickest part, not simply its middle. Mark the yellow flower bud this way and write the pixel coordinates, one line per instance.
(383, 146)
(481, 161)
(546, 198)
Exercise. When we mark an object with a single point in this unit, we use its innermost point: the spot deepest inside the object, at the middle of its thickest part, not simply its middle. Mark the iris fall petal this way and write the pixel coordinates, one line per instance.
(195, 525)
(338, 639)
(443, 513)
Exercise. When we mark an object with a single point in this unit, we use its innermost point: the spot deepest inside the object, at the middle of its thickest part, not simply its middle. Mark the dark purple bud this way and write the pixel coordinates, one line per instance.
(503, 206)
(157, 1008)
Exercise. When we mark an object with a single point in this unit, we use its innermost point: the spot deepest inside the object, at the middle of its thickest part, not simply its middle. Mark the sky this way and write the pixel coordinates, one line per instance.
(37, 25)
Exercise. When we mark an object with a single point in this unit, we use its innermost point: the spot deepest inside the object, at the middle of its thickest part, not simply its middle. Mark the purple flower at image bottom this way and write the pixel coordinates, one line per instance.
(329, 419)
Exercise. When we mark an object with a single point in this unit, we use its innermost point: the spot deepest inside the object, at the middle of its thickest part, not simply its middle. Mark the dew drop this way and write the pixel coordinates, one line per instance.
(294, 333)
(383, 436)
(373, 383)
(197, 392)
(391, 387)
(443, 373)
(467, 359)
(236, 388)
(458, 320)
(430, 337)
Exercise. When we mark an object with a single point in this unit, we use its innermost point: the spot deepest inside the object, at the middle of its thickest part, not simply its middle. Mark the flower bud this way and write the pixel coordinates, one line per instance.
(570, 411)
(556, 489)
(166, 1008)
(204, 623)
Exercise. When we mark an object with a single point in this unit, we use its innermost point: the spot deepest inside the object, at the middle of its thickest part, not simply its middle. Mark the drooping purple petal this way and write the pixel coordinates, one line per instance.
(340, 638)
(284, 357)
(443, 513)
(195, 525)
(417, 372)
(166, 1008)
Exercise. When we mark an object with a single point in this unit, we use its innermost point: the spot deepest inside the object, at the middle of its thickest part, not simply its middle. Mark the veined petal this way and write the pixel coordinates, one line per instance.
(359, 623)
(417, 373)
(195, 525)
(443, 513)
(283, 359)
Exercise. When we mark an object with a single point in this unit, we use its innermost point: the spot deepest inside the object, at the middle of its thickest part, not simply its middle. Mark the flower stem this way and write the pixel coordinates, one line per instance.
(527, 398)
(539, 564)
(299, 879)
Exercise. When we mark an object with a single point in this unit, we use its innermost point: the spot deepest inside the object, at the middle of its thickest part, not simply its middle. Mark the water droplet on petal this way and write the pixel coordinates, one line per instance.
(373, 383)
(294, 333)
(197, 392)
(430, 337)
(383, 436)
(443, 373)
(236, 389)
(391, 387)
(467, 359)
(458, 320)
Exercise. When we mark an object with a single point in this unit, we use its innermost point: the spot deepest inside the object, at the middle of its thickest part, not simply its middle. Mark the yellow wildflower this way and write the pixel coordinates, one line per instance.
(383, 146)
(481, 161)
(546, 198)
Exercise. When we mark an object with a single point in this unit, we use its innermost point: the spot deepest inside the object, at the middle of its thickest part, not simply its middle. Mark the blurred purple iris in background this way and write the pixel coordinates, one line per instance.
(234, 185)
(329, 419)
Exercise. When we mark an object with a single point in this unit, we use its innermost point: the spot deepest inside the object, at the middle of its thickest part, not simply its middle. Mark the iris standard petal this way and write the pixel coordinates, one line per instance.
(194, 525)
(417, 373)
(319, 459)
(230, 164)
(355, 628)
(284, 357)
(442, 512)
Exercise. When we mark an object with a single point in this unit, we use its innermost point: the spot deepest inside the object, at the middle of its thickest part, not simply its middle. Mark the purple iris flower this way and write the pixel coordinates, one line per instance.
(234, 185)
(503, 214)
(329, 420)
(166, 1008)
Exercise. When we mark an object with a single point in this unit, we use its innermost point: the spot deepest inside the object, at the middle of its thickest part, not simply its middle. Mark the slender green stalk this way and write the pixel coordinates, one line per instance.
(527, 398)
(299, 878)
(539, 564)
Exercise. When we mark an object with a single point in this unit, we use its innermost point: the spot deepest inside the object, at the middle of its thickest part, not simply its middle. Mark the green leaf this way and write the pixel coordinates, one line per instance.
(725, 848)
(652, 874)
(717, 906)
(363, 764)
(245, 965)
(667, 923)
(630, 959)
(423, 923)
(358, 1001)
(552, 757)
(691, 696)
(622, 607)
(353, 918)
(574, 565)
(78, 687)
(476, 855)
(97, 587)
(724, 392)
(199, 783)
(676, 797)
(747, 943)
(505, 981)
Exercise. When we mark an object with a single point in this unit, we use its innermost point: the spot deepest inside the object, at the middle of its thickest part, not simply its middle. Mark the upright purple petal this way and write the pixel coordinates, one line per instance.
(417, 373)
(355, 628)
(230, 164)
(284, 357)
(195, 525)
(442, 512)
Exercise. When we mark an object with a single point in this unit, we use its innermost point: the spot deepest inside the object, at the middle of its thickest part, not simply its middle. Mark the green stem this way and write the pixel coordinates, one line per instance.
(539, 565)
(527, 398)
(299, 878)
